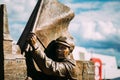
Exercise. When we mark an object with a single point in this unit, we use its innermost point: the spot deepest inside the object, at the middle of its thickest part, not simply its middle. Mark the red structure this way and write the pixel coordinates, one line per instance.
(98, 68)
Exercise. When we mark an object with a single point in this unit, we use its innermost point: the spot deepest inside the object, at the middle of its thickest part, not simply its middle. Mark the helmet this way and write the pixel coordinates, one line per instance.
(67, 41)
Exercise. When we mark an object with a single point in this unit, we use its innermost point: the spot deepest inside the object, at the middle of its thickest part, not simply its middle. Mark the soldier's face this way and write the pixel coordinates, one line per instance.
(62, 51)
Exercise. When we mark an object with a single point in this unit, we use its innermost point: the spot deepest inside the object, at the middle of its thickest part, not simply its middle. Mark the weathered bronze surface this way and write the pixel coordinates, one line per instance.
(53, 21)
(29, 27)
(49, 20)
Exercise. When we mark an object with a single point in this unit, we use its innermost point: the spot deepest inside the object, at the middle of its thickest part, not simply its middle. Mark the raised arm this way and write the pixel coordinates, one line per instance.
(50, 67)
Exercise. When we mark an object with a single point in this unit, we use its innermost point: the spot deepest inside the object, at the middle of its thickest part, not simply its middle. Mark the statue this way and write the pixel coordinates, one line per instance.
(58, 67)
(47, 29)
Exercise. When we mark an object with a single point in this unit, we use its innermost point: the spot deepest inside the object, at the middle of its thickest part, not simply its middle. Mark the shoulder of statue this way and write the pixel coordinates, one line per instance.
(71, 61)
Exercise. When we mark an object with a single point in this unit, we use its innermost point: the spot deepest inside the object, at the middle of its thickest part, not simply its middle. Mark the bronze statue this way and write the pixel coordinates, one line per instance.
(49, 21)
(58, 67)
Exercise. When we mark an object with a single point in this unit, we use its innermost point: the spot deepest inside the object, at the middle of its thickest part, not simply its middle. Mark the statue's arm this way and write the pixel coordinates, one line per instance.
(50, 67)
(47, 65)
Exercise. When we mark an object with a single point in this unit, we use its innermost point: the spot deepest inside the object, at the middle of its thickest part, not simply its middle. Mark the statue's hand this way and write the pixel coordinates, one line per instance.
(32, 40)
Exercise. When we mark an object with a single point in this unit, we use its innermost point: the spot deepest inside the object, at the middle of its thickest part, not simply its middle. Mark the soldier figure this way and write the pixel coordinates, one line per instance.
(54, 63)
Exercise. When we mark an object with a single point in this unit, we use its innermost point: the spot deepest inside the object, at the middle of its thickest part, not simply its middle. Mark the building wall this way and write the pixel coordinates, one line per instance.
(109, 64)
(85, 70)
(7, 46)
(15, 69)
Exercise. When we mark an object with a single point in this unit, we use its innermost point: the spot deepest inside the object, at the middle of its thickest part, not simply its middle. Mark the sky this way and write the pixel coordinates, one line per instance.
(96, 25)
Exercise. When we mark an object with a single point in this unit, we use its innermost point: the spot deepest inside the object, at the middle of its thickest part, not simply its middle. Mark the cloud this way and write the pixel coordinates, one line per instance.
(19, 12)
(106, 28)
(100, 24)
(85, 5)
(65, 1)
(96, 27)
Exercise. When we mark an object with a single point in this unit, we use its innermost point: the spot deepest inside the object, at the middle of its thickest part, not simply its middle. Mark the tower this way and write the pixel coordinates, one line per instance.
(12, 66)
(7, 40)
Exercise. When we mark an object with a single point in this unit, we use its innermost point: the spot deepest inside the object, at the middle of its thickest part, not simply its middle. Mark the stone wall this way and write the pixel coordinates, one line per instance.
(15, 69)
(7, 46)
(85, 70)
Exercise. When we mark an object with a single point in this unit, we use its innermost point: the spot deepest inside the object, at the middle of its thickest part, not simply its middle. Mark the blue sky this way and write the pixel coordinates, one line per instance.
(96, 25)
